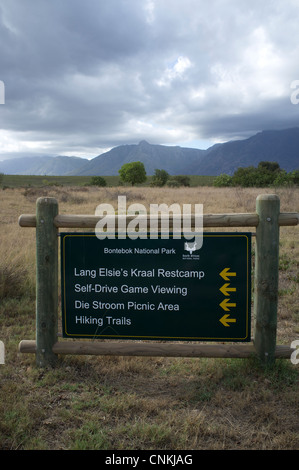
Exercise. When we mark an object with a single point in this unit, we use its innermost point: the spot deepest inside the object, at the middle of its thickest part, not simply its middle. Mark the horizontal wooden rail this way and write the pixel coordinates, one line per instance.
(209, 220)
(154, 349)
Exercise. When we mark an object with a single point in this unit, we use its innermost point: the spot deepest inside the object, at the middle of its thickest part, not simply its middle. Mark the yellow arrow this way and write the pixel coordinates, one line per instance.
(226, 321)
(225, 274)
(225, 304)
(225, 289)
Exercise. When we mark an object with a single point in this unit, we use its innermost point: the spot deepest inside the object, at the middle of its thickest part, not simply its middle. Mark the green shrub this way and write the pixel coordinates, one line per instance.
(160, 178)
(294, 175)
(179, 180)
(173, 183)
(265, 175)
(283, 179)
(223, 180)
(98, 181)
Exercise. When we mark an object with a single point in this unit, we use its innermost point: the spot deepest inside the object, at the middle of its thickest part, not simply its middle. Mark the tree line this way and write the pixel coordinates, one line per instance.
(265, 174)
(134, 173)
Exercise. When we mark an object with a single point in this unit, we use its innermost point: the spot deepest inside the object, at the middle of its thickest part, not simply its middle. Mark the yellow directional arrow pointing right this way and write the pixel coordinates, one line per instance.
(225, 289)
(225, 274)
(225, 320)
(225, 304)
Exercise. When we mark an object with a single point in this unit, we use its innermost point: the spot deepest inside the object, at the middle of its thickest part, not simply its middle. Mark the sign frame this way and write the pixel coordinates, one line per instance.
(224, 289)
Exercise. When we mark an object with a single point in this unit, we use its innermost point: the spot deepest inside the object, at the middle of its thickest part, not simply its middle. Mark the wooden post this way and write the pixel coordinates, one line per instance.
(266, 277)
(46, 281)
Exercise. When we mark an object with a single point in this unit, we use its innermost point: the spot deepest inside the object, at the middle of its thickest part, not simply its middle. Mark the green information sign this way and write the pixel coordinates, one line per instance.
(156, 289)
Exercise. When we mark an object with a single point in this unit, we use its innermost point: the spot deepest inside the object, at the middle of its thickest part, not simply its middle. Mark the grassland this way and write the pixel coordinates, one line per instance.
(114, 403)
(17, 181)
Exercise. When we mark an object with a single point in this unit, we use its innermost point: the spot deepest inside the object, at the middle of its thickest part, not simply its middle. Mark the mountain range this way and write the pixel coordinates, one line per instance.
(281, 146)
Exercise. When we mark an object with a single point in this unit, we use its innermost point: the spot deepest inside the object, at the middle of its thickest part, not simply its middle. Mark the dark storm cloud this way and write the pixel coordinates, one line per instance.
(81, 77)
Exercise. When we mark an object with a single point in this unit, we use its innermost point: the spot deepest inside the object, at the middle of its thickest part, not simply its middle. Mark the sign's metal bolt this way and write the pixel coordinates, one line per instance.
(268, 219)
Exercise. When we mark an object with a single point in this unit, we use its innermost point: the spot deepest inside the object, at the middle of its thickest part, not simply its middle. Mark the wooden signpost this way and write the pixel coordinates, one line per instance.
(225, 296)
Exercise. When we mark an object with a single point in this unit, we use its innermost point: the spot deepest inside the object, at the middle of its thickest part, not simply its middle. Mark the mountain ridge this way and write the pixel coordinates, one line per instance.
(281, 146)
(172, 159)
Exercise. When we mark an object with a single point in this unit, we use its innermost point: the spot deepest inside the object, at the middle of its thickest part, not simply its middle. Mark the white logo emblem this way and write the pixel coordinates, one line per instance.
(191, 247)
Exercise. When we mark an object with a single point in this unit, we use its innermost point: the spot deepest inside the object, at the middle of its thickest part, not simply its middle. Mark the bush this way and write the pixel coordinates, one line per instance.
(248, 177)
(294, 176)
(283, 179)
(173, 183)
(160, 178)
(98, 181)
(265, 175)
(179, 180)
(223, 180)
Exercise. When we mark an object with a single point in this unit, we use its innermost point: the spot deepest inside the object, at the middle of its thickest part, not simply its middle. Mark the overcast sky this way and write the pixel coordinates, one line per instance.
(82, 77)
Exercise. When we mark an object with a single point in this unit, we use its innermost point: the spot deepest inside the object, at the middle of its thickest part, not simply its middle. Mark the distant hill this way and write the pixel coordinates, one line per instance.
(274, 146)
(51, 166)
(279, 146)
(175, 160)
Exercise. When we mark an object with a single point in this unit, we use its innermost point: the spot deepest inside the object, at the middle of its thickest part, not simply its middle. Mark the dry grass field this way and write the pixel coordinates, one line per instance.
(115, 403)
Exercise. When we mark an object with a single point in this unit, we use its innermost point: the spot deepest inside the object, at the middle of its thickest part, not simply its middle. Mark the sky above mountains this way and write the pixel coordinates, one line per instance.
(82, 77)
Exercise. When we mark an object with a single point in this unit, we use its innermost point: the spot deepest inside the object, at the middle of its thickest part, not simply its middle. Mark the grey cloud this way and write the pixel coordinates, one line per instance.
(95, 74)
